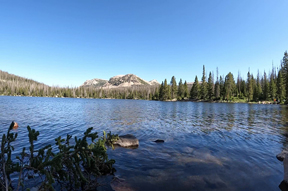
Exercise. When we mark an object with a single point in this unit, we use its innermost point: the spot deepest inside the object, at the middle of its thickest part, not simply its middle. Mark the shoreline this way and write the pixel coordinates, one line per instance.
(173, 100)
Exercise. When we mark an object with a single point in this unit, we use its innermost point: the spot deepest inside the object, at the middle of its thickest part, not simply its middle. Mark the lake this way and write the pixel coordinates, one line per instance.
(208, 146)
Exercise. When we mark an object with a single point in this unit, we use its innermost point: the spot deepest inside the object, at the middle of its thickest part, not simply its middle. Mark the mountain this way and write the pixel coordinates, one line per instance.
(9, 79)
(11, 84)
(127, 80)
(154, 82)
(97, 83)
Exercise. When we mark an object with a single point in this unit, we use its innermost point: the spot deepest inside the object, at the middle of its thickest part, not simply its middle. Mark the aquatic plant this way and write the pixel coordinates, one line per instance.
(69, 166)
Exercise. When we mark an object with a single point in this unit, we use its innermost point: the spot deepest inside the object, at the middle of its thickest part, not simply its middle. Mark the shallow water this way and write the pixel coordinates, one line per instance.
(208, 146)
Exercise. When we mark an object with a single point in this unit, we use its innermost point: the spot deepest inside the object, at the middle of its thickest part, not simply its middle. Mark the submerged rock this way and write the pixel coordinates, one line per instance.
(127, 141)
(159, 141)
(36, 188)
(119, 184)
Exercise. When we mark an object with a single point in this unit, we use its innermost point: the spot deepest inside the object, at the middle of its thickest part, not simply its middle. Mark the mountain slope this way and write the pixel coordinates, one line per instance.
(127, 80)
(94, 83)
(11, 84)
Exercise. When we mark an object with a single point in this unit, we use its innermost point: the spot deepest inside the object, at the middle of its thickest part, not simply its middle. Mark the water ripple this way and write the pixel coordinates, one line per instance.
(208, 146)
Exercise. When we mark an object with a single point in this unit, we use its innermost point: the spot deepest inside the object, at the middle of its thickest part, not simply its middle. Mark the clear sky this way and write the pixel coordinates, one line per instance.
(67, 42)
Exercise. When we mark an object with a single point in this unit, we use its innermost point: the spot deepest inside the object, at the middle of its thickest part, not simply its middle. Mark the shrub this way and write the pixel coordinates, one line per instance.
(71, 166)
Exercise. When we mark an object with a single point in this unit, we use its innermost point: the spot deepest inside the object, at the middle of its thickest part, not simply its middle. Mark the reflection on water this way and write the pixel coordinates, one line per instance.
(208, 146)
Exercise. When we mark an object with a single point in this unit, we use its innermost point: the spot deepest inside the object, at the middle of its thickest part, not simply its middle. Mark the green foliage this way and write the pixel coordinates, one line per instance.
(281, 87)
(164, 91)
(229, 86)
(203, 85)
(222, 89)
(72, 166)
(186, 93)
(217, 90)
(7, 167)
(273, 89)
(285, 75)
(194, 92)
(217, 87)
(173, 87)
(180, 90)
(266, 87)
(210, 86)
(249, 87)
(258, 94)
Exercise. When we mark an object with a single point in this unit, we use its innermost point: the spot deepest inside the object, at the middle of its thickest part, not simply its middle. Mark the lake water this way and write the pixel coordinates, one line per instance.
(208, 146)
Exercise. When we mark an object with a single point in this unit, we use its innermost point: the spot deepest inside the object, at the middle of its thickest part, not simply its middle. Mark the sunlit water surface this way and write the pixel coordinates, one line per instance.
(208, 146)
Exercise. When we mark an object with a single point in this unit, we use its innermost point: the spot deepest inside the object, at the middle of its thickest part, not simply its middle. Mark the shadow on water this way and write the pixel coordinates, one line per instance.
(208, 146)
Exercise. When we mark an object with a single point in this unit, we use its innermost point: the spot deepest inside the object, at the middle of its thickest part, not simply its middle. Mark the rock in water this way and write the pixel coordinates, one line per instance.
(283, 186)
(281, 156)
(159, 141)
(127, 141)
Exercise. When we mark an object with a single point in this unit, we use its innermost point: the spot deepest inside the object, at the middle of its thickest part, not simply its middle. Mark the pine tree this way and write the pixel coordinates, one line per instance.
(156, 95)
(194, 92)
(258, 88)
(165, 91)
(169, 92)
(217, 87)
(204, 85)
(173, 88)
(186, 93)
(285, 73)
(273, 87)
(238, 84)
(180, 90)
(222, 90)
(243, 88)
(229, 86)
(161, 91)
(280, 87)
(249, 87)
(266, 87)
(210, 86)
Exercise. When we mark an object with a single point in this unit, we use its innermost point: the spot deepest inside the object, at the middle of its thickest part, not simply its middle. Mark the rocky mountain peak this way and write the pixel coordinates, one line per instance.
(96, 82)
(127, 80)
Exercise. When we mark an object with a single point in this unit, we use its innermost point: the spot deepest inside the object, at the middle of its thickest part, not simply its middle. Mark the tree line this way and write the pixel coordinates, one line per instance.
(266, 87)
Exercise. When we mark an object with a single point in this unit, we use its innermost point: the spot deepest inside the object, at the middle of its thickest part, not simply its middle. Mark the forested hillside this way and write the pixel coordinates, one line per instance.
(18, 86)
(272, 86)
(15, 85)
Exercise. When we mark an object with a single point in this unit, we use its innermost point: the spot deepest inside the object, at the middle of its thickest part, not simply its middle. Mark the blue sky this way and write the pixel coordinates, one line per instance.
(67, 42)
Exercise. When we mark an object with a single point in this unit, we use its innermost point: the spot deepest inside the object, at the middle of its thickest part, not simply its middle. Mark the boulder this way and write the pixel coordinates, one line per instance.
(281, 156)
(127, 141)
(283, 186)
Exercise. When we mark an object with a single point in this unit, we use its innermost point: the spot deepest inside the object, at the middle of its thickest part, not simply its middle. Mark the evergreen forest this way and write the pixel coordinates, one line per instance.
(271, 86)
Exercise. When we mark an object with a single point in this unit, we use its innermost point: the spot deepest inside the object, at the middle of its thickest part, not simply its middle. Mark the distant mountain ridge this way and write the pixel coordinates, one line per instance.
(118, 81)
(12, 80)
(94, 82)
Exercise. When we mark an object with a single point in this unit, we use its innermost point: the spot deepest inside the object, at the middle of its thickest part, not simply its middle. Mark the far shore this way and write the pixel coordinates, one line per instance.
(173, 100)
